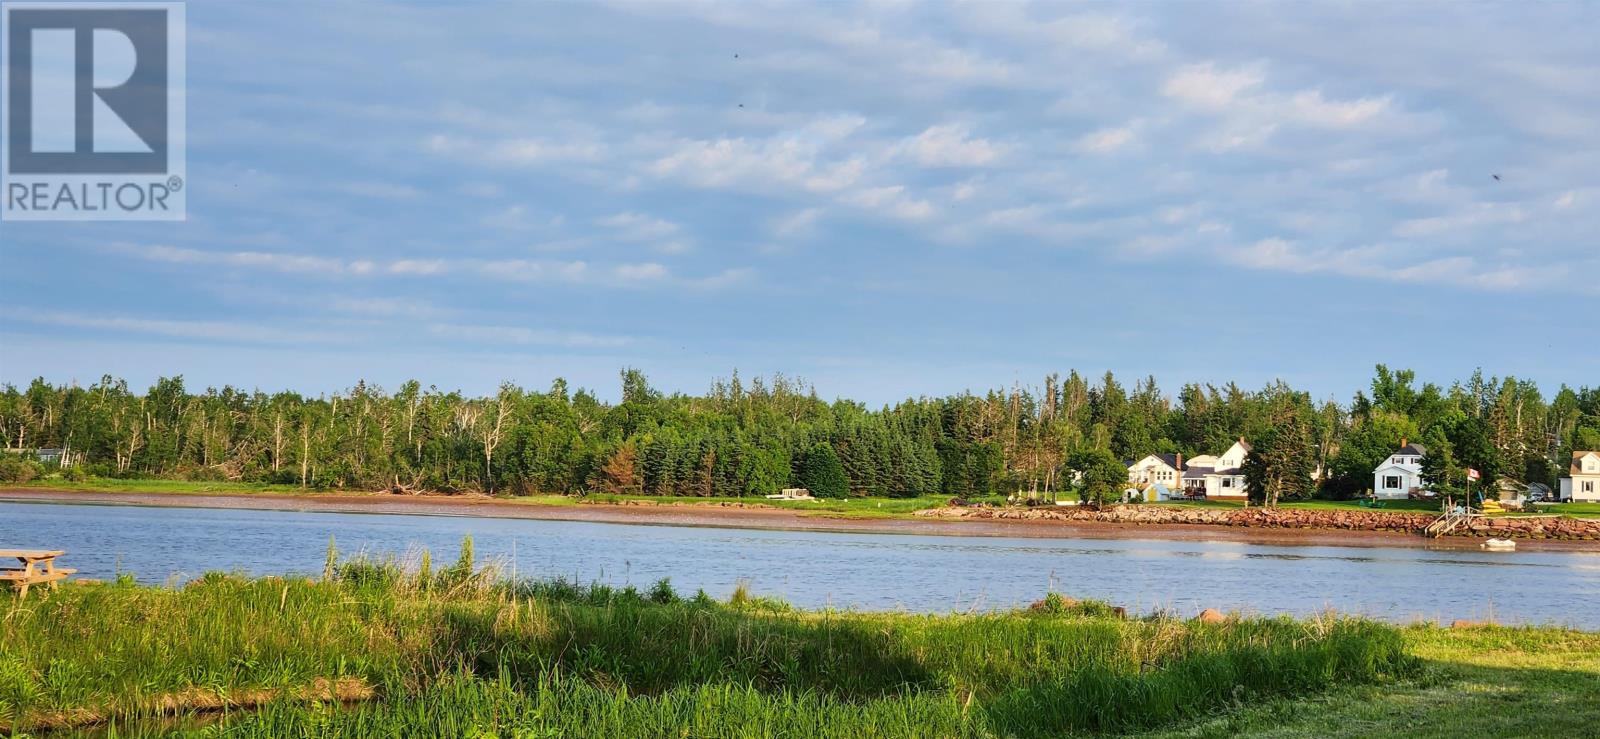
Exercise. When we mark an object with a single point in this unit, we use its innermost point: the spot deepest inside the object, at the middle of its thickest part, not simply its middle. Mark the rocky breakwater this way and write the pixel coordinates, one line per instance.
(1283, 518)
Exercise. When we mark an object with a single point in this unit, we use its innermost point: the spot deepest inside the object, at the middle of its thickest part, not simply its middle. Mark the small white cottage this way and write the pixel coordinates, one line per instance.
(1582, 482)
(1401, 473)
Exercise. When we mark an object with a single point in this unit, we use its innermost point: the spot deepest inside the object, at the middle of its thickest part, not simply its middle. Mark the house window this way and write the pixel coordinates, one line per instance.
(1391, 482)
(1588, 486)
(1227, 482)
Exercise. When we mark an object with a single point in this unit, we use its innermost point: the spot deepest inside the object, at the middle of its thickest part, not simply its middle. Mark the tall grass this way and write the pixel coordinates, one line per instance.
(454, 651)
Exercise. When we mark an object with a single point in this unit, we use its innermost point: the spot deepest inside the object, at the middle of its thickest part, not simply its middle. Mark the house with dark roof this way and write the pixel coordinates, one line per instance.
(1400, 474)
(1159, 472)
(1219, 476)
(1581, 484)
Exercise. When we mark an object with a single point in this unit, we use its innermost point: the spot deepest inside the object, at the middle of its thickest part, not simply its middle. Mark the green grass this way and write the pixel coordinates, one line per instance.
(454, 653)
(1575, 510)
(1522, 682)
(832, 508)
(180, 487)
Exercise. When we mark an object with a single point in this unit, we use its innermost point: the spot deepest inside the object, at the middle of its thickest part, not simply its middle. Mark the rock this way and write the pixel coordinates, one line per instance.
(1211, 616)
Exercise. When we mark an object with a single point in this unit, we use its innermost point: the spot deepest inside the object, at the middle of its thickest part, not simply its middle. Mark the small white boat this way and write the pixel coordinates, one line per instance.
(1500, 544)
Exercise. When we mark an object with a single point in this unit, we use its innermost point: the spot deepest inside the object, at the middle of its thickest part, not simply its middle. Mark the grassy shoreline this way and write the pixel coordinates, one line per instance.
(454, 651)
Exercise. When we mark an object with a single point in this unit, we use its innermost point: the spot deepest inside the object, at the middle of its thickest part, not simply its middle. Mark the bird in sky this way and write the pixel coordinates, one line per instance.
(1496, 177)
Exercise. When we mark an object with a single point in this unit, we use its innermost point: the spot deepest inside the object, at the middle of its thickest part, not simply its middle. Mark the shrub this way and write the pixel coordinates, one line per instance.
(16, 468)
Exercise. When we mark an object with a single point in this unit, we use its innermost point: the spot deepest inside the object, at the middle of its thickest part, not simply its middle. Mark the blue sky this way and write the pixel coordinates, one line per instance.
(886, 199)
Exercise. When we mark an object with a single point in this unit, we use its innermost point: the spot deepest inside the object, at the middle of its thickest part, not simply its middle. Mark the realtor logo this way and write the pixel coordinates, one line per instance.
(92, 111)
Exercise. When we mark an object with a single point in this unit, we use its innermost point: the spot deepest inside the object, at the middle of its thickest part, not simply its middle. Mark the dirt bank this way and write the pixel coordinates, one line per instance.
(940, 522)
(1544, 528)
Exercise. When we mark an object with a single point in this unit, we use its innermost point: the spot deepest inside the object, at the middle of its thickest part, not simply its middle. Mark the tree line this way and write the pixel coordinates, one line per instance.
(758, 436)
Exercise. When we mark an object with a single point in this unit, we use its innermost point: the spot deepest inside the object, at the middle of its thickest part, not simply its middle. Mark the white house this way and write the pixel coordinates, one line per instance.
(1215, 477)
(1401, 473)
(1225, 480)
(1162, 468)
(1582, 482)
(1155, 477)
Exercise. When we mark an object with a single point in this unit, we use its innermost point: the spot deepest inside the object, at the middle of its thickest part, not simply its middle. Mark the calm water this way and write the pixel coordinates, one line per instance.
(867, 571)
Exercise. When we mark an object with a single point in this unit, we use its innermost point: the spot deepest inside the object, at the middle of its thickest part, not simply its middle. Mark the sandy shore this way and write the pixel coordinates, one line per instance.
(721, 516)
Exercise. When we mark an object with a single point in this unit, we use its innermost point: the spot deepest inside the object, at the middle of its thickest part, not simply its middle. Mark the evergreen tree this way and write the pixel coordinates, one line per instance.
(822, 473)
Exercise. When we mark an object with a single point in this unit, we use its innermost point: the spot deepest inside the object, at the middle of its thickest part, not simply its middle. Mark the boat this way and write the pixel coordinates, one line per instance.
(1500, 544)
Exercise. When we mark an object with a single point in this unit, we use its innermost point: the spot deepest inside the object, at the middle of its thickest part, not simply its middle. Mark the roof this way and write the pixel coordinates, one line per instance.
(1196, 473)
(1413, 448)
(1577, 456)
(1245, 444)
(1170, 460)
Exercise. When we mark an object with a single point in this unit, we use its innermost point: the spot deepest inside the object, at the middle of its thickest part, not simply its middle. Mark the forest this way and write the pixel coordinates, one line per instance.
(757, 436)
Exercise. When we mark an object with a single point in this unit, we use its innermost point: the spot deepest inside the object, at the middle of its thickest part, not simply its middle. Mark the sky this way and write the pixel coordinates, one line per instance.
(886, 199)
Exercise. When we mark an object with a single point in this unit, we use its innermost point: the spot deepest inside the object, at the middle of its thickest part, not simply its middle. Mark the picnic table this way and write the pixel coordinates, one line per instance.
(38, 568)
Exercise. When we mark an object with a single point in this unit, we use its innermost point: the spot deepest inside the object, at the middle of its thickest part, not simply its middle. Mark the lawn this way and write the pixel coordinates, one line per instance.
(1522, 682)
(1576, 510)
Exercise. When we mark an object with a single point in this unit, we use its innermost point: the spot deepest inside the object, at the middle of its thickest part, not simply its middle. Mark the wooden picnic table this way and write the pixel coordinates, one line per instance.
(38, 568)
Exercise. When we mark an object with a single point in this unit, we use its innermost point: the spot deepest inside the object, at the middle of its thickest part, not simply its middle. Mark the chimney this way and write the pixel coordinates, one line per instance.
(1402, 442)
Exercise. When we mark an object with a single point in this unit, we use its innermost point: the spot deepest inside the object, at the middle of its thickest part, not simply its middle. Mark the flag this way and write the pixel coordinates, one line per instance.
(1472, 474)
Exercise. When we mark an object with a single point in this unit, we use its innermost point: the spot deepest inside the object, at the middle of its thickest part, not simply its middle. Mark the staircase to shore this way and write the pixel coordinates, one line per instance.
(1450, 521)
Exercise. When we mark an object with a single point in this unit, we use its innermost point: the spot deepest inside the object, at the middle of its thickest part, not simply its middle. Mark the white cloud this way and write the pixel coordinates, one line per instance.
(513, 152)
(493, 334)
(1250, 115)
(502, 270)
(648, 271)
(950, 145)
(1383, 262)
(640, 227)
(891, 200)
(1106, 140)
(1476, 215)
(1311, 108)
(381, 190)
(797, 224)
(1204, 86)
(223, 331)
(383, 307)
(788, 161)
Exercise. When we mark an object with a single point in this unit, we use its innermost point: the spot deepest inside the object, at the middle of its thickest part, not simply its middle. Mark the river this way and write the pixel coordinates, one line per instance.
(845, 570)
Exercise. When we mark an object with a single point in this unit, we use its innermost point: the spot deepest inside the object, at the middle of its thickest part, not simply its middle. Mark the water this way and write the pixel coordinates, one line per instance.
(863, 571)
